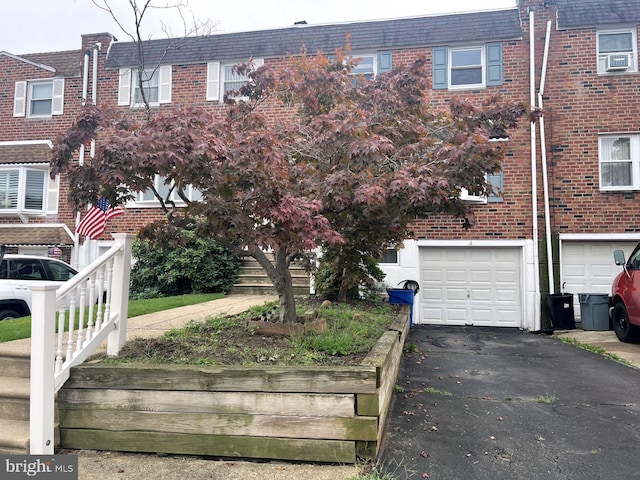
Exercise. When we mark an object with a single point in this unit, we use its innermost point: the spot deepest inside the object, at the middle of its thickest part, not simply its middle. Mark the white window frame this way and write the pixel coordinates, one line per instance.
(152, 202)
(22, 190)
(216, 78)
(128, 83)
(374, 65)
(602, 57)
(382, 258)
(482, 66)
(634, 161)
(23, 98)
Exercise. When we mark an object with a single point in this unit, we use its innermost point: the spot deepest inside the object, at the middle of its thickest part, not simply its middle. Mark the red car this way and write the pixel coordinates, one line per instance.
(625, 312)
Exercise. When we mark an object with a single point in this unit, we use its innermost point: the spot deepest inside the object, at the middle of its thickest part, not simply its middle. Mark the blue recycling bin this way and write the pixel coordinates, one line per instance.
(402, 296)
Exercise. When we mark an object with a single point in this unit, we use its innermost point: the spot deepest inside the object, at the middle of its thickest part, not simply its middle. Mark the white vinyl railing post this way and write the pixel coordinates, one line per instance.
(42, 410)
(119, 304)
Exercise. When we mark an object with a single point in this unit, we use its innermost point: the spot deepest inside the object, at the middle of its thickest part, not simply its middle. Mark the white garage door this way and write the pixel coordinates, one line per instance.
(470, 286)
(588, 267)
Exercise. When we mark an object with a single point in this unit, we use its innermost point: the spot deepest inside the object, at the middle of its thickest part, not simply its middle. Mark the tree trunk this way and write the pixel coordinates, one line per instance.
(282, 281)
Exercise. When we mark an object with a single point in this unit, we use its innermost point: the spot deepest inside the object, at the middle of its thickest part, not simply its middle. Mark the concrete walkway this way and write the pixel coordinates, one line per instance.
(607, 340)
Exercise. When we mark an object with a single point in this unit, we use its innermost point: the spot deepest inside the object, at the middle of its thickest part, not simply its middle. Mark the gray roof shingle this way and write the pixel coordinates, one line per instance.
(66, 64)
(592, 13)
(364, 36)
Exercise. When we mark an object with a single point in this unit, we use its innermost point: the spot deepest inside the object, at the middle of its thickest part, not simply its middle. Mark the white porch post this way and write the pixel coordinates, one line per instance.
(120, 293)
(43, 319)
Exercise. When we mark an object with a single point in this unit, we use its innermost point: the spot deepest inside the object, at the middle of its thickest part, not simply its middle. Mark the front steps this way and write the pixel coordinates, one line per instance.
(15, 364)
(253, 279)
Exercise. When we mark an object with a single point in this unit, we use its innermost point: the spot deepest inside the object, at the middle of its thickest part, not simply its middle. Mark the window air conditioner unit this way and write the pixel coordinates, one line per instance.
(618, 61)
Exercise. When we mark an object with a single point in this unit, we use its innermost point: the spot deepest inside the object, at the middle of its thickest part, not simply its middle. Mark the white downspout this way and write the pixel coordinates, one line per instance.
(85, 87)
(534, 175)
(543, 153)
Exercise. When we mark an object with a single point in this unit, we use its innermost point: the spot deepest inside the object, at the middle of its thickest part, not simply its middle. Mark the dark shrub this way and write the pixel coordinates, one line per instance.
(200, 266)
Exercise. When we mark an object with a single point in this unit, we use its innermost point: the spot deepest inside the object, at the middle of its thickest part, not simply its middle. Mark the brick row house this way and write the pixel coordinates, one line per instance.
(567, 188)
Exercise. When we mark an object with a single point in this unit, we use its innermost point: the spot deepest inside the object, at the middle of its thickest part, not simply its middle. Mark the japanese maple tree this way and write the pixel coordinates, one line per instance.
(303, 156)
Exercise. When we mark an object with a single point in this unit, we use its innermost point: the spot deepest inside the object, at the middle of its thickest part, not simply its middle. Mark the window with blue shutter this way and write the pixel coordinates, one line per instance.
(494, 64)
(384, 62)
(468, 66)
(440, 67)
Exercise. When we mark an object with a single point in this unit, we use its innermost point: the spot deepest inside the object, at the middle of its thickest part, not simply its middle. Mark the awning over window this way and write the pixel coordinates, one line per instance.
(40, 234)
(24, 153)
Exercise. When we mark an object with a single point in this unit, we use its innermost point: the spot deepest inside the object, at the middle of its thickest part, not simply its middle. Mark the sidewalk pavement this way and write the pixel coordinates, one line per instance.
(606, 340)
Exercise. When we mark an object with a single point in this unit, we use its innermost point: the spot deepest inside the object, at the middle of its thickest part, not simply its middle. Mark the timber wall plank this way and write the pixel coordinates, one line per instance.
(318, 414)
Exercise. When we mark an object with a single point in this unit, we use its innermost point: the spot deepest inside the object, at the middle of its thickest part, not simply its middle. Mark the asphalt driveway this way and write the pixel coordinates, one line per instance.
(485, 403)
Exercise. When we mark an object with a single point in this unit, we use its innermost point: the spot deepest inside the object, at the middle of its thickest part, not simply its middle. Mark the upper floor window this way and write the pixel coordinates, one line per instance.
(619, 162)
(167, 192)
(366, 66)
(223, 78)
(155, 83)
(617, 51)
(474, 66)
(22, 189)
(39, 98)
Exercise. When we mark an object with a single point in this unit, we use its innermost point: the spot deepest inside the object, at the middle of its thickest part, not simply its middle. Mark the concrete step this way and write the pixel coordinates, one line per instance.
(14, 437)
(262, 289)
(14, 399)
(264, 280)
(258, 270)
(15, 358)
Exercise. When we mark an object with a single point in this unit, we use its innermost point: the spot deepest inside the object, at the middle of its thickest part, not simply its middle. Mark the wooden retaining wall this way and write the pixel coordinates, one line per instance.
(316, 414)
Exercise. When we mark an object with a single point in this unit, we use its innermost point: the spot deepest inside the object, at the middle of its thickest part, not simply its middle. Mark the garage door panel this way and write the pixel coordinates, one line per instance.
(479, 286)
(455, 295)
(481, 295)
(455, 276)
(432, 294)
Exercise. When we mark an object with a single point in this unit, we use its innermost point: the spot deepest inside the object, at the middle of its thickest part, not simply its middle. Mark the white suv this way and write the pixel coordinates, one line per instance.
(17, 271)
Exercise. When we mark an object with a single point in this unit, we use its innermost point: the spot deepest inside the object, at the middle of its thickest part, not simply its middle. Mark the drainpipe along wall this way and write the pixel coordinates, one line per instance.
(534, 175)
(85, 87)
(543, 153)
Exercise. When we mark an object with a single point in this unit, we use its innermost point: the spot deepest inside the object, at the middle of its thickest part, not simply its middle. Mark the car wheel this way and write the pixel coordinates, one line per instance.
(625, 330)
(9, 314)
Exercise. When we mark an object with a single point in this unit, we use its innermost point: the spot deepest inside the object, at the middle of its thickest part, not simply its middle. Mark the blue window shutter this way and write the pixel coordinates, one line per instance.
(494, 64)
(497, 181)
(440, 66)
(384, 62)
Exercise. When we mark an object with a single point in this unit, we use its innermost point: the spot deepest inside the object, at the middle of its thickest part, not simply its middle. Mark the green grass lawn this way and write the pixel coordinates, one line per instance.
(21, 327)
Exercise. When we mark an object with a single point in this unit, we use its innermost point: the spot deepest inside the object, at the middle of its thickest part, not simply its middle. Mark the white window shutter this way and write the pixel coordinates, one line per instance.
(124, 87)
(213, 81)
(53, 193)
(20, 100)
(164, 84)
(57, 106)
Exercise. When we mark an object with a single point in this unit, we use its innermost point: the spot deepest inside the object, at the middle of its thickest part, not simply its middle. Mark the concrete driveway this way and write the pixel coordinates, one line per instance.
(486, 403)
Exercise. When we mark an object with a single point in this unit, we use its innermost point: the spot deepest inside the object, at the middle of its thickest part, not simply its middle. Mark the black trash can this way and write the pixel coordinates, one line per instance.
(561, 308)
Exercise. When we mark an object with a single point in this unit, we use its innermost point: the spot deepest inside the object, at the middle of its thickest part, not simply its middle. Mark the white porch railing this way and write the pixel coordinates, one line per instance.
(91, 307)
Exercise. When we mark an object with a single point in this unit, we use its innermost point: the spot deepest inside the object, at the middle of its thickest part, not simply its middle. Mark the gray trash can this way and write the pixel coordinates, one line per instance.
(594, 311)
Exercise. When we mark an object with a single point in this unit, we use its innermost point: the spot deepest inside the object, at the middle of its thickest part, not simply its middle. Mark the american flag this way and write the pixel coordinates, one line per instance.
(95, 220)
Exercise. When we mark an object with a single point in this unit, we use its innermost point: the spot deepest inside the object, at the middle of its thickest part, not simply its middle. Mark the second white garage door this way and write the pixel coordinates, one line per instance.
(470, 286)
